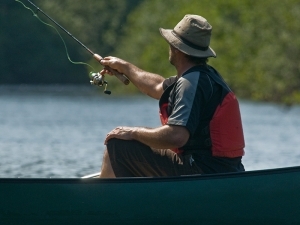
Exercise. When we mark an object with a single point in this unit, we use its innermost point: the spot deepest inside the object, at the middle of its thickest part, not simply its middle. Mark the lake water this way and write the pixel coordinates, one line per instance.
(58, 131)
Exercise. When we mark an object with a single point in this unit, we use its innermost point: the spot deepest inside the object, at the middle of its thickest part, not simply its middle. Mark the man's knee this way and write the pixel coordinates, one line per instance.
(114, 143)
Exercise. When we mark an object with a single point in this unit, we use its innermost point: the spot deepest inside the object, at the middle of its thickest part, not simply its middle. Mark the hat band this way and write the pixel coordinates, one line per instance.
(188, 43)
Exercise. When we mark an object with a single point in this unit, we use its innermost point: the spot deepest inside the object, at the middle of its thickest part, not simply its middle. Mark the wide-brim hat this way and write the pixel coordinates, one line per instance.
(191, 36)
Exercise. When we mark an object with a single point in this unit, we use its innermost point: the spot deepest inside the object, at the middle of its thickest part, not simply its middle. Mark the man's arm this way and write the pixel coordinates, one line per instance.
(146, 82)
(164, 137)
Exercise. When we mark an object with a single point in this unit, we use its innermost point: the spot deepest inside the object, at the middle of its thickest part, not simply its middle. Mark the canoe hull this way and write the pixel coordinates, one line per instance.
(269, 197)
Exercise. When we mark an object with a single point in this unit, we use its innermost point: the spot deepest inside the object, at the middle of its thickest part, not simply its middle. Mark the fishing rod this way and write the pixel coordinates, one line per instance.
(96, 78)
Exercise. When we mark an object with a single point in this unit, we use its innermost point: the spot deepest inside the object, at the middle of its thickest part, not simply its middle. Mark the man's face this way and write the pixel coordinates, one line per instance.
(171, 54)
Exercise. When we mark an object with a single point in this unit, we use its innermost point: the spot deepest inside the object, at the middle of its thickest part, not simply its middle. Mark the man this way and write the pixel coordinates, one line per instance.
(201, 130)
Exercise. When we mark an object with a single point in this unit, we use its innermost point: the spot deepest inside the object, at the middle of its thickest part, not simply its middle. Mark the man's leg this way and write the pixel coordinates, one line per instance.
(106, 170)
(133, 159)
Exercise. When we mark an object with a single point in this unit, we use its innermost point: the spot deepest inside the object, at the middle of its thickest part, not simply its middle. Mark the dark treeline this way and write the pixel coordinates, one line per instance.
(33, 53)
(257, 42)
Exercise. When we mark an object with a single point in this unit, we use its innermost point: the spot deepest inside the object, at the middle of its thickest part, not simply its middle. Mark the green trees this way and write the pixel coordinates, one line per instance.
(256, 42)
(33, 53)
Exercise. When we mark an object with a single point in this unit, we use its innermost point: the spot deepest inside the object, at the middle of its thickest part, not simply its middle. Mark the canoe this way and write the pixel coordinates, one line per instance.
(254, 197)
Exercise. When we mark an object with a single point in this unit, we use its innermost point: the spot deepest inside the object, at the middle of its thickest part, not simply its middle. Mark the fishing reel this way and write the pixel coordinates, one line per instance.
(98, 79)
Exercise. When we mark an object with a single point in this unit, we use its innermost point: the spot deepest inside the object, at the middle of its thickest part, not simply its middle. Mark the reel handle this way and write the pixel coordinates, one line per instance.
(120, 76)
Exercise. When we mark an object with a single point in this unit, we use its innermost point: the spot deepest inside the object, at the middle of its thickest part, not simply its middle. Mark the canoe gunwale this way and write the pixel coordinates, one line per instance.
(153, 179)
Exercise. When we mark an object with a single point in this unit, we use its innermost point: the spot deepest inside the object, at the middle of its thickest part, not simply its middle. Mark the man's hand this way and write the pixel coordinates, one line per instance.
(161, 138)
(113, 63)
(124, 133)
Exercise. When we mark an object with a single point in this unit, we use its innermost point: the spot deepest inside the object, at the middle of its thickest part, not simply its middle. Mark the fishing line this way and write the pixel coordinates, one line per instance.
(47, 24)
(96, 78)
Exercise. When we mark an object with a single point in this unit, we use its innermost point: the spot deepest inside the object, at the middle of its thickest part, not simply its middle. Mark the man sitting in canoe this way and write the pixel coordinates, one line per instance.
(201, 130)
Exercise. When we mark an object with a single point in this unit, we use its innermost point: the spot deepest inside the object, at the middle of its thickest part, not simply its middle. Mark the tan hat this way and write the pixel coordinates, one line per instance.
(191, 36)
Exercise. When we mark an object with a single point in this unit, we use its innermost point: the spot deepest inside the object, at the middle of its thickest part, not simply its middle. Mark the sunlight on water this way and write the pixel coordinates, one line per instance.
(59, 131)
(271, 133)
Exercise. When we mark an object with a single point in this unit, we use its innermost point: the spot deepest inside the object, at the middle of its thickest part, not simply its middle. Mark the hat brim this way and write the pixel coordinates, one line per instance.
(177, 43)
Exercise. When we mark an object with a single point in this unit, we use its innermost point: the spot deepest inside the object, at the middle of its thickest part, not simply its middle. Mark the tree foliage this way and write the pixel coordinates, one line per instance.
(30, 51)
(256, 42)
(34, 53)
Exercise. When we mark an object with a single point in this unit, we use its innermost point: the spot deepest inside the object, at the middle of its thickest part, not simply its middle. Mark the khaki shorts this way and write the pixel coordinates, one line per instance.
(134, 159)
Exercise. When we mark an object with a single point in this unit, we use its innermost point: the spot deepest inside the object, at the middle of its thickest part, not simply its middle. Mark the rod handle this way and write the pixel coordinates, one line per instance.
(120, 76)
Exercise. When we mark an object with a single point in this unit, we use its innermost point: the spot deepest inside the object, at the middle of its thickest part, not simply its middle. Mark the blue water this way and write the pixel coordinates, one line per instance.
(58, 131)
